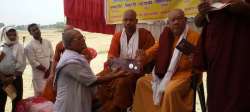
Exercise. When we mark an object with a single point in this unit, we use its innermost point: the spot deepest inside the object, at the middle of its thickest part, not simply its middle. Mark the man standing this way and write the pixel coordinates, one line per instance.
(74, 78)
(118, 94)
(11, 66)
(39, 52)
(223, 53)
(168, 89)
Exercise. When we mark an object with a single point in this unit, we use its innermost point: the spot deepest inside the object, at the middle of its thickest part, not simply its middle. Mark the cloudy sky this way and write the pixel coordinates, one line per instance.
(19, 12)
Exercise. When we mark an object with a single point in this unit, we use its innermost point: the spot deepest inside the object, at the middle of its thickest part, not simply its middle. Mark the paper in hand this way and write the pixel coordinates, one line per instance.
(129, 65)
(218, 6)
(185, 47)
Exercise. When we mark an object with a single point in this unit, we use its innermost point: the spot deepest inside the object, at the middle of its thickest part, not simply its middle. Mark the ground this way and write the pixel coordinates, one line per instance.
(100, 42)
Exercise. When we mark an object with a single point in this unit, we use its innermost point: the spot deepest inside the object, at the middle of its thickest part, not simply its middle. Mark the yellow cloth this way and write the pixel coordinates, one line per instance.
(178, 93)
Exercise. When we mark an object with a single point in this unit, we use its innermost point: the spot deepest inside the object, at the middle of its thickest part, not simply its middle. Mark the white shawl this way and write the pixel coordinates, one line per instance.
(4, 36)
(128, 49)
(159, 85)
(68, 57)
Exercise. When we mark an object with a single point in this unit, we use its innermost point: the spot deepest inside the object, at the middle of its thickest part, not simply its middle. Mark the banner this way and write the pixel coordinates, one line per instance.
(147, 10)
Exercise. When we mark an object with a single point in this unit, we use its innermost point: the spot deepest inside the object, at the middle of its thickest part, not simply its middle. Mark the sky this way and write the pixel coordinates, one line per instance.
(23, 12)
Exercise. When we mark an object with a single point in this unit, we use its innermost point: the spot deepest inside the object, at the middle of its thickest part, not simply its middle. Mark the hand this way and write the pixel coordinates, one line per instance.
(140, 56)
(120, 73)
(8, 80)
(41, 68)
(204, 8)
(47, 74)
(2, 55)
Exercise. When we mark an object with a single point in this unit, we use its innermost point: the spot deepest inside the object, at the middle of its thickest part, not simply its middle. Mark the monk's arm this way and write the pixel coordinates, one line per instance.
(114, 48)
(109, 77)
(151, 52)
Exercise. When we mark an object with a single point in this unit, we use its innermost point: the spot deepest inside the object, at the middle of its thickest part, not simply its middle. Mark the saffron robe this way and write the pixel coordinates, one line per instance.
(119, 92)
(178, 94)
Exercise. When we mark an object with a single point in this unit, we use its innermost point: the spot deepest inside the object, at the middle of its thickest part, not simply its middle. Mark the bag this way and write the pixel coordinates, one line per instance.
(129, 65)
(34, 104)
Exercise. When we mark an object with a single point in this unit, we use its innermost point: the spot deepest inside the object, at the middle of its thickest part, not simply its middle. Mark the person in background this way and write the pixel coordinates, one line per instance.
(223, 54)
(12, 65)
(39, 52)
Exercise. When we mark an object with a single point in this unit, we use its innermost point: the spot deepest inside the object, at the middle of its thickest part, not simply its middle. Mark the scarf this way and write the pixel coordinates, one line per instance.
(159, 84)
(128, 49)
(68, 57)
(4, 37)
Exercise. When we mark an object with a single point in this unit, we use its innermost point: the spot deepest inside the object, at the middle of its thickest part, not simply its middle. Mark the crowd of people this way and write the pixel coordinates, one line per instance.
(65, 77)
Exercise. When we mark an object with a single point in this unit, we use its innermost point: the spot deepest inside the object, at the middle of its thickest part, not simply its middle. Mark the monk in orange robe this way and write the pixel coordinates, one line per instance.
(178, 94)
(117, 95)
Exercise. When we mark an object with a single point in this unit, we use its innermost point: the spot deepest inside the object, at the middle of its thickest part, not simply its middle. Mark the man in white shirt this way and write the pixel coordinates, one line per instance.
(39, 52)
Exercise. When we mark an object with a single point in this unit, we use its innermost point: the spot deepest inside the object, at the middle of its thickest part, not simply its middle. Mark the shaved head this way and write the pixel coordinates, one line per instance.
(68, 27)
(175, 12)
(177, 21)
(130, 21)
(68, 36)
(74, 40)
(131, 13)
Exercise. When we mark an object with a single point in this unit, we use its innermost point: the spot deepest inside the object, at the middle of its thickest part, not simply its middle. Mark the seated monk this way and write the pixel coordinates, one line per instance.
(168, 89)
(117, 95)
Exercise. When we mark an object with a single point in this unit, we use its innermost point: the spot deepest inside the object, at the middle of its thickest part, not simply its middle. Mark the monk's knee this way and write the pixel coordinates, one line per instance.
(171, 92)
(140, 81)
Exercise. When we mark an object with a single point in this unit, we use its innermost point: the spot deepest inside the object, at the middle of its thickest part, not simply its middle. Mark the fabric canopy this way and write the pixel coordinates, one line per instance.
(87, 15)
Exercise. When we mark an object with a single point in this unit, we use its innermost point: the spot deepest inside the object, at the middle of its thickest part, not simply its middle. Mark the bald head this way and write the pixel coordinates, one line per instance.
(130, 12)
(176, 12)
(68, 27)
(130, 21)
(74, 40)
(68, 36)
(177, 21)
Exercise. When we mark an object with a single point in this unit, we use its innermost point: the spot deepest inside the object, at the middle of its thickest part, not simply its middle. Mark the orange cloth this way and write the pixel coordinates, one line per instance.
(49, 92)
(58, 52)
(119, 92)
(178, 93)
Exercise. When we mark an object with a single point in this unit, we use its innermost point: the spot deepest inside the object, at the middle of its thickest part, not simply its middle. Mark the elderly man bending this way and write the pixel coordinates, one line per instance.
(74, 78)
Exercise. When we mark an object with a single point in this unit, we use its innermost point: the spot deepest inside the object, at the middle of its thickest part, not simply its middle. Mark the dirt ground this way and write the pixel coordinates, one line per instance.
(100, 42)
